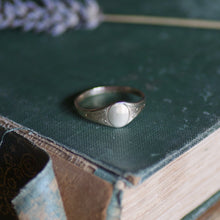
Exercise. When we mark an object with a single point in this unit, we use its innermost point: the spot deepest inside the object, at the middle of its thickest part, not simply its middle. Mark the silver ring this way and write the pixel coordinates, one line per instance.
(93, 106)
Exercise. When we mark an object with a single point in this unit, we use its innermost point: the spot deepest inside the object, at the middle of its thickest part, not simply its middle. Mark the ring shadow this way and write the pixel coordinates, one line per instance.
(67, 105)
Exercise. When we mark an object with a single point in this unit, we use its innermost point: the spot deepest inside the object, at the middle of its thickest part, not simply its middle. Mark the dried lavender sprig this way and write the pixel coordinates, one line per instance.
(52, 16)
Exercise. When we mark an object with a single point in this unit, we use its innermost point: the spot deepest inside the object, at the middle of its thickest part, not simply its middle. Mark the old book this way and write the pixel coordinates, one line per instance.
(212, 213)
(37, 192)
(162, 165)
(207, 210)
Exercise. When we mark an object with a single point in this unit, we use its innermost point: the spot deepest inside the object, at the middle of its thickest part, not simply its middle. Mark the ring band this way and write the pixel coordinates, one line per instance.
(116, 114)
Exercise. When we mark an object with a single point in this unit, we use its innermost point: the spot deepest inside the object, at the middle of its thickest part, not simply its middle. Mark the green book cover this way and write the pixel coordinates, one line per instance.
(177, 68)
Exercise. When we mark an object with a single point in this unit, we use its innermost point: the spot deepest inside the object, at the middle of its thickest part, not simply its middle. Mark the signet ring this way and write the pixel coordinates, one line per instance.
(114, 106)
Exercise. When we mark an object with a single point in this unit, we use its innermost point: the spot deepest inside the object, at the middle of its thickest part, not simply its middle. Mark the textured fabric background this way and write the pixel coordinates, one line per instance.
(28, 187)
(177, 68)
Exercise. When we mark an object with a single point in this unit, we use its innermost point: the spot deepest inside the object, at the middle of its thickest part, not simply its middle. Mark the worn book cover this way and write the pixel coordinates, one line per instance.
(178, 70)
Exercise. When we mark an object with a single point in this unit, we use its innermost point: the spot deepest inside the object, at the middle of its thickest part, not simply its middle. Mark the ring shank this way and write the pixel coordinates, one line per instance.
(106, 89)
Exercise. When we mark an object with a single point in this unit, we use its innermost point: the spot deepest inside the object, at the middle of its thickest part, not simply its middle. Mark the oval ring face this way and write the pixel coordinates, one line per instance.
(118, 115)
